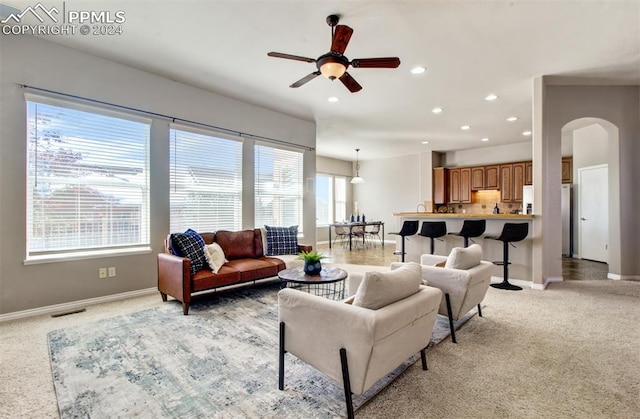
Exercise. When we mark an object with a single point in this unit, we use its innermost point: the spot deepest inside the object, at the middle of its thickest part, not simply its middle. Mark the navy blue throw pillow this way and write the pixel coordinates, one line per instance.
(190, 245)
(282, 240)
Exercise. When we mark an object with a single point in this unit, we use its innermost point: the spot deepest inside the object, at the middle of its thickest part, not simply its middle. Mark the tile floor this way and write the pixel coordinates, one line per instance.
(573, 269)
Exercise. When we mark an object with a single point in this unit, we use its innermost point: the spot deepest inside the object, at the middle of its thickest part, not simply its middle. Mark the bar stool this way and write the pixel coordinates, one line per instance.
(471, 228)
(433, 230)
(511, 232)
(409, 228)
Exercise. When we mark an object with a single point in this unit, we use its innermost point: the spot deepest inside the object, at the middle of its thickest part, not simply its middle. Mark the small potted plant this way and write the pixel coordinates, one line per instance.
(312, 264)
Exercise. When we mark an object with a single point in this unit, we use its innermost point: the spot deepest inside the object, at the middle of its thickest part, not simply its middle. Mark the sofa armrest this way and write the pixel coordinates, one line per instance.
(304, 247)
(174, 276)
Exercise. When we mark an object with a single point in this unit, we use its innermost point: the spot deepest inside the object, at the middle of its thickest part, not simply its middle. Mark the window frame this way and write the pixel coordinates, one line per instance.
(31, 175)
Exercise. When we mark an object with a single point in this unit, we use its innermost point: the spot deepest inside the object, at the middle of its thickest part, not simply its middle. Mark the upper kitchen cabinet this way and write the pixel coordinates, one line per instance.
(485, 177)
(528, 173)
(512, 177)
(440, 178)
(567, 170)
(492, 177)
(460, 185)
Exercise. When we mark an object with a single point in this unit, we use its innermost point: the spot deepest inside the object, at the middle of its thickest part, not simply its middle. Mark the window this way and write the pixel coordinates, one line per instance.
(331, 198)
(324, 199)
(88, 179)
(206, 181)
(278, 187)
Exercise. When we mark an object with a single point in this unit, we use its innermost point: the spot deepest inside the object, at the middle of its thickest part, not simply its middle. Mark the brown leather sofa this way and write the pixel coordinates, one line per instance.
(244, 251)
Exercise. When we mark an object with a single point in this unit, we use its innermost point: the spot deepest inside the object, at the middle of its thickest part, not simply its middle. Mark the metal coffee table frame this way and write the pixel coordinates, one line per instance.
(330, 283)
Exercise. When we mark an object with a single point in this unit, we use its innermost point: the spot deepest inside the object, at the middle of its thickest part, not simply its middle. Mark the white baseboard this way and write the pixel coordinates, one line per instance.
(74, 305)
(623, 277)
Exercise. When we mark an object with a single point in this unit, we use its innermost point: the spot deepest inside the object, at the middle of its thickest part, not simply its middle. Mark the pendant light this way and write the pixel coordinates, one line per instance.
(357, 179)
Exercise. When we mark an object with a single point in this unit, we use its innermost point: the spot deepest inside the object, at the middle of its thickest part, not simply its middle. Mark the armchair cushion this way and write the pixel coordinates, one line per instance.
(464, 258)
(282, 240)
(379, 289)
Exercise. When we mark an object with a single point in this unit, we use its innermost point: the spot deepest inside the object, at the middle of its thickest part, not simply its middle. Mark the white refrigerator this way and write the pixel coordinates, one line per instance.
(566, 210)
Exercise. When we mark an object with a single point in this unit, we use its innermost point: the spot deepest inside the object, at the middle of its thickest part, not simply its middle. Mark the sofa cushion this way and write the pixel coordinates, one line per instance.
(190, 245)
(464, 258)
(379, 289)
(215, 256)
(237, 244)
(282, 240)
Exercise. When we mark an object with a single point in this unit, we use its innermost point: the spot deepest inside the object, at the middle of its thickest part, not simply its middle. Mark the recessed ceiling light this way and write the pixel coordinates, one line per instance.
(485, 139)
(333, 99)
(425, 142)
(418, 70)
(491, 97)
(512, 118)
(526, 133)
(436, 110)
(465, 127)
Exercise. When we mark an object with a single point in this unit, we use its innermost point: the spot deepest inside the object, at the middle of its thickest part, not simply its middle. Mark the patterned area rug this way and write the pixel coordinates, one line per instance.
(220, 361)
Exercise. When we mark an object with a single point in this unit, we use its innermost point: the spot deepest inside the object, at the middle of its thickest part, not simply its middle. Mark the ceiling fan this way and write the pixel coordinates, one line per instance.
(334, 64)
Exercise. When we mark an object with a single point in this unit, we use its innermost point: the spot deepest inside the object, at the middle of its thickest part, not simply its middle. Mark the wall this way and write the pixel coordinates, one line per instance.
(562, 104)
(47, 65)
(489, 155)
(391, 185)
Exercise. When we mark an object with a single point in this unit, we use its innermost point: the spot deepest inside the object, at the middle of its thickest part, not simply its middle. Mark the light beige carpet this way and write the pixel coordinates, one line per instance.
(570, 351)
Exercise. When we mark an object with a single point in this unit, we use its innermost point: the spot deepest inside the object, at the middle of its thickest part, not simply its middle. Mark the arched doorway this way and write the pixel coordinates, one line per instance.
(591, 143)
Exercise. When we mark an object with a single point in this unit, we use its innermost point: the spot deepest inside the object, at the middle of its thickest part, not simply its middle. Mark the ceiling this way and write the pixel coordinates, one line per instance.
(470, 49)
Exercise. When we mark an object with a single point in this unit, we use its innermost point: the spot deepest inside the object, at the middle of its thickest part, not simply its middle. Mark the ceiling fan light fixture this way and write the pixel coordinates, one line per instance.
(332, 71)
(332, 66)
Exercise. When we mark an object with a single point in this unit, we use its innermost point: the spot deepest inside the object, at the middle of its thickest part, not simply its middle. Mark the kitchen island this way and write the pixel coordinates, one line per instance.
(521, 257)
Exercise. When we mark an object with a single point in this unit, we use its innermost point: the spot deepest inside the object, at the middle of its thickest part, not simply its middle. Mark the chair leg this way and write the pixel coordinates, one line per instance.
(423, 356)
(185, 308)
(281, 359)
(402, 248)
(431, 239)
(346, 383)
(479, 311)
(450, 315)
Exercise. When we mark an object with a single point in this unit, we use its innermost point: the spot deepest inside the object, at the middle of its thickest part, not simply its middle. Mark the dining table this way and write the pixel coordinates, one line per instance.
(353, 224)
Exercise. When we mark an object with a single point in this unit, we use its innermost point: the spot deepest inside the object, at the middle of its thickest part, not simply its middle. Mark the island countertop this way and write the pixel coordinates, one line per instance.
(462, 215)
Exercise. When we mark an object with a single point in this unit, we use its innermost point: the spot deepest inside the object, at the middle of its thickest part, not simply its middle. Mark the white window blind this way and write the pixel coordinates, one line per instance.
(324, 199)
(278, 187)
(206, 181)
(340, 197)
(88, 178)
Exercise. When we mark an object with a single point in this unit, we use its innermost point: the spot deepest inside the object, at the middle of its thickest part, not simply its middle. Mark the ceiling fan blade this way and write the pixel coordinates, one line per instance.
(341, 38)
(385, 62)
(291, 57)
(350, 83)
(306, 79)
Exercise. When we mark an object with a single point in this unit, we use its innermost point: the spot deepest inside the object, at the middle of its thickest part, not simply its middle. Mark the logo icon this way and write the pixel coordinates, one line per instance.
(38, 11)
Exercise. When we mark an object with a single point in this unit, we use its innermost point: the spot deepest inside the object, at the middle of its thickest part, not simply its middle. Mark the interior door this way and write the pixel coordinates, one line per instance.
(594, 213)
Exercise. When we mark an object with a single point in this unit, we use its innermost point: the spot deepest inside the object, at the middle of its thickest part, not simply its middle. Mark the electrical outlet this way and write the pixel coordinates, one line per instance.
(112, 271)
(102, 273)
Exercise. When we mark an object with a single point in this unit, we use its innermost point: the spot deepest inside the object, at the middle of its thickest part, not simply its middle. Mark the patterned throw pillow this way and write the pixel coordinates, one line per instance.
(282, 240)
(190, 245)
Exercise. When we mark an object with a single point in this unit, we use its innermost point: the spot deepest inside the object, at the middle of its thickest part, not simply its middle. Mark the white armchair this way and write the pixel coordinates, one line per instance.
(463, 280)
(358, 341)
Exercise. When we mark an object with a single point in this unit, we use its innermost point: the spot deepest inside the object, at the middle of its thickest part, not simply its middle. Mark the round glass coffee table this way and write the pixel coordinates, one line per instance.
(329, 283)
